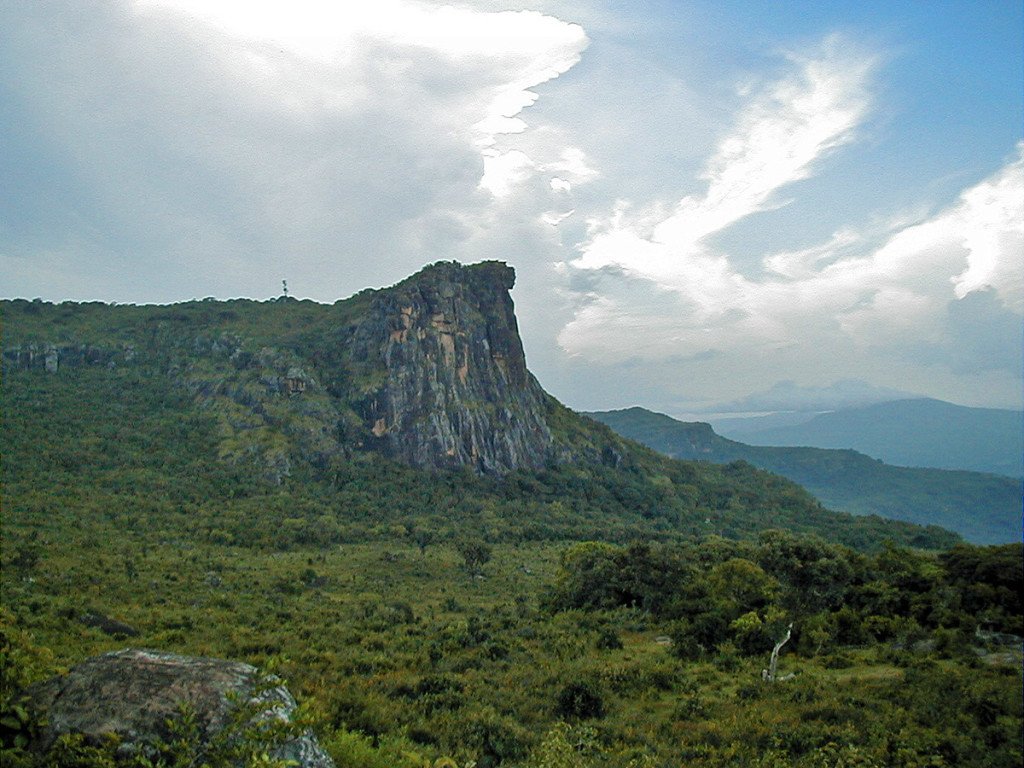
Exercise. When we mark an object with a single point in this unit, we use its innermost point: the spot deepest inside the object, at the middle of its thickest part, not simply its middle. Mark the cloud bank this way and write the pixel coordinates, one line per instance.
(652, 284)
(217, 147)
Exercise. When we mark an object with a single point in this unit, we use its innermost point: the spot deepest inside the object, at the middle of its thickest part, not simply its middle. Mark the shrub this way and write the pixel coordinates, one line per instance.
(580, 700)
(354, 750)
(608, 640)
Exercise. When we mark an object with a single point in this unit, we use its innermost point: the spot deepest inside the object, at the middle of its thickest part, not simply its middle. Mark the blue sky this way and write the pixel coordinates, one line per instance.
(702, 199)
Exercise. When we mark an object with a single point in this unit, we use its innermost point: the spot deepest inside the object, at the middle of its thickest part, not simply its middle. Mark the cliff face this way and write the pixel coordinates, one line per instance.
(451, 387)
(429, 372)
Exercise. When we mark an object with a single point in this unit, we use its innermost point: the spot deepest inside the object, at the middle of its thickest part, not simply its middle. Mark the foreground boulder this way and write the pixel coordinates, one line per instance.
(135, 694)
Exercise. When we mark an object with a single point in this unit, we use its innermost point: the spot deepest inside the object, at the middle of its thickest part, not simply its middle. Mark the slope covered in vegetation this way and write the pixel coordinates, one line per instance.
(169, 484)
(322, 415)
(983, 508)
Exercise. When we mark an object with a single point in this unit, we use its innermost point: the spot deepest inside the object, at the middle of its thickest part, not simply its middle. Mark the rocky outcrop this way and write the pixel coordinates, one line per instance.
(429, 372)
(50, 357)
(446, 383)
(132, 694)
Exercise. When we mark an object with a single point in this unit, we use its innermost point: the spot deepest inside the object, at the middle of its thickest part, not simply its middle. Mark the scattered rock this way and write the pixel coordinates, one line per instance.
(108, 625)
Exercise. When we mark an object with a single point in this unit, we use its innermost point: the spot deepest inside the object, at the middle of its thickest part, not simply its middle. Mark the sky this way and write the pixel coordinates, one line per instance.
(713, 206)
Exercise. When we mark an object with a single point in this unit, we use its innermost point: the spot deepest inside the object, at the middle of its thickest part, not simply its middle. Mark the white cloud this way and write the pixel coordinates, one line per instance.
(892, 293)
(501, 56)
(991, 222)
(573, 163)
(891, 315)
(226, 145)
(505, 170)
(805, 262)
(329, 31)
(777, 138)
(652, 284)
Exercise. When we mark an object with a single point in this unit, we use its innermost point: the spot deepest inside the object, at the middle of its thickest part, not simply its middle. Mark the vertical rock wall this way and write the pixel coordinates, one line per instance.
(452, 388)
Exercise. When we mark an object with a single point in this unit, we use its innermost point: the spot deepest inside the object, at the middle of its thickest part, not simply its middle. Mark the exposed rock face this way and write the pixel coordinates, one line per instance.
(429, 372)
(455, 389)
(132, 693)
(50, 357)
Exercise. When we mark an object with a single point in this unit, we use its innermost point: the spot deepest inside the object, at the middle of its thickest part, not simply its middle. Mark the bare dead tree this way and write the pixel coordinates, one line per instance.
(769, 675)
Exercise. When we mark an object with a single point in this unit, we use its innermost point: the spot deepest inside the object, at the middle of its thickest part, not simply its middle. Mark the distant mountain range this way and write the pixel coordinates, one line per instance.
(807, 400)
(913, 433)
(983, 508)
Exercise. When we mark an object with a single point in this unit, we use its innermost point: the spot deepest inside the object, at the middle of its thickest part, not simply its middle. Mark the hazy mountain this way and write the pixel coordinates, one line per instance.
(736, 427)
(915, 433)
(788, 396)
(983, 508)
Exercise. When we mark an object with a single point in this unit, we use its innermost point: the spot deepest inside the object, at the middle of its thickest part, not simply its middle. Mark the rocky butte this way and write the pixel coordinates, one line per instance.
(455, 389)
(429, 372)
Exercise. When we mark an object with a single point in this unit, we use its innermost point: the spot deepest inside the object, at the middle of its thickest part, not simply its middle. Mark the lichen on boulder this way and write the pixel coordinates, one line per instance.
(137, 696)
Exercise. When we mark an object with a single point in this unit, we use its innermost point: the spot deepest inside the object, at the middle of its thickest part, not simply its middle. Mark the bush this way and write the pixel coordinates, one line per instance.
(951, 643)
(608, 640)
(580, 700)
(21, 663)
(684, 644)
(354, 750)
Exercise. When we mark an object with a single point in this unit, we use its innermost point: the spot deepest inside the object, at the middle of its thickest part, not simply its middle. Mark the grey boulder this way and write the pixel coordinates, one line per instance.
(134, 693)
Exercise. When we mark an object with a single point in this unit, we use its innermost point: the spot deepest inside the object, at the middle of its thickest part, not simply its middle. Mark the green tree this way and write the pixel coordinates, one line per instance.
(814, 575)
(742, 584)
(475, 553)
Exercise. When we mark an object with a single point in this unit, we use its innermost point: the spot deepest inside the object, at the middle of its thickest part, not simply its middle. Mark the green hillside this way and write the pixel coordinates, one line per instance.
(199, 479)
(185, 411)
(983, 508)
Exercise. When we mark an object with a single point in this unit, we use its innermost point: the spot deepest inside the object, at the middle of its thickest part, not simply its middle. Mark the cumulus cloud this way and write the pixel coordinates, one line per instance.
(520, 49)
(650, 283)
(226, 145)
(894, 295)
(990, 219)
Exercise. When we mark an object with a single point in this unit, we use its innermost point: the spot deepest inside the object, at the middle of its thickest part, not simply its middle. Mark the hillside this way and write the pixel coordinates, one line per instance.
(983, 508)
(912, 433)
(407, 403)
(239, 480)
